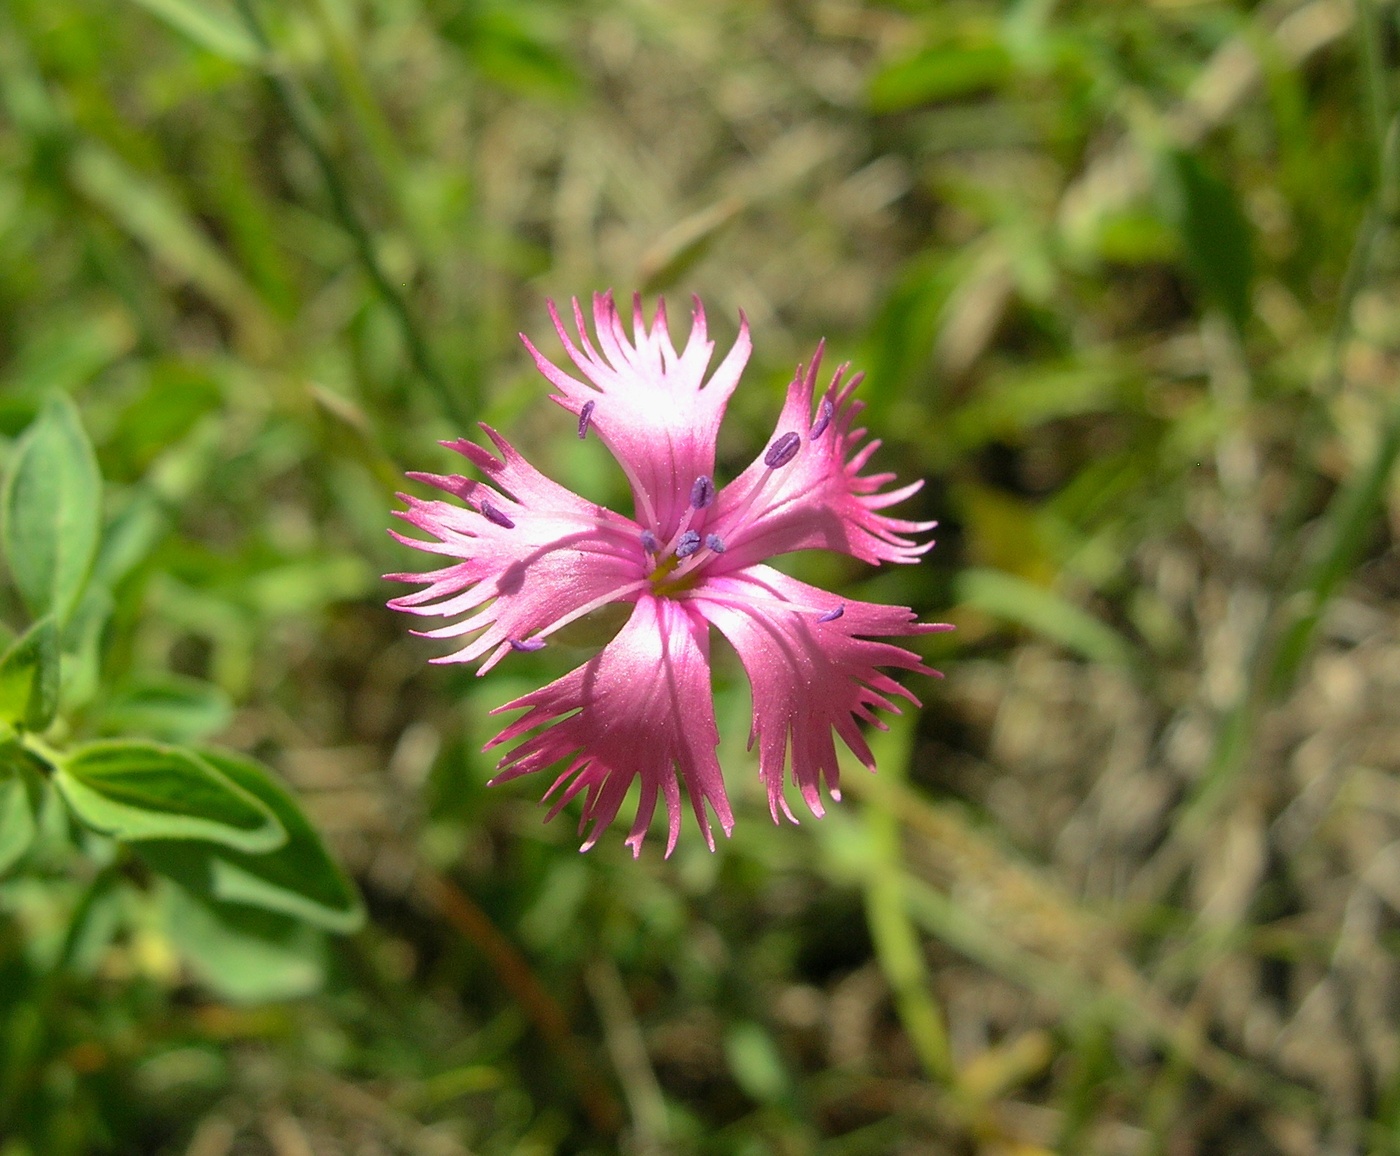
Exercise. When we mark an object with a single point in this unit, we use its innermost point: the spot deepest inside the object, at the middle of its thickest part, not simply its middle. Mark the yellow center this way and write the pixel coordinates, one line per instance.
(664, 569)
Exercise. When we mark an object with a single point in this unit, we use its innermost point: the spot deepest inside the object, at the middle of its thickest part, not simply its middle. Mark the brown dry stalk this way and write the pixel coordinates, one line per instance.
(525, 987)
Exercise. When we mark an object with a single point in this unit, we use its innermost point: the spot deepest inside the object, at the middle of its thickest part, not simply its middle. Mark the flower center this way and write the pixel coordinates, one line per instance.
(677, 566)
(666, 583)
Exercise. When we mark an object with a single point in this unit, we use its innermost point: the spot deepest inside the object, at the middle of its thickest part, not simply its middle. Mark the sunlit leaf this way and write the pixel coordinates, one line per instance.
(135, 790)
(51, 511)
(29, 678)
(299, 879)
(243, 955)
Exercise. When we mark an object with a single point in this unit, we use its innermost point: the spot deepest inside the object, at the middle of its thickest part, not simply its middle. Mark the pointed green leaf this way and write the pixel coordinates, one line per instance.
(135, 790)
(29, 678)
(1014, 599)
(1215, 233)
(172, 708)
(299, 878)
(51, 511)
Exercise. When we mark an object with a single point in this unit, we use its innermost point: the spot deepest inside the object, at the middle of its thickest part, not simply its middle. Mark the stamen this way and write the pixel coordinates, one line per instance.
(527, 644)
(833, 614)
(782, 451)
(714, 543)
(491, 514)
(702, 493)
(585, 416)
(649, 542)
(824, 413)
(689, 543)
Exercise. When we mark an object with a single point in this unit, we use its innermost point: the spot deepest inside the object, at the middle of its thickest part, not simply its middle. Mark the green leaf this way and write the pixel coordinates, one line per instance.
(171, 707)
(133, 533)
(243, 955)
(135, 790)
(942, 72)
(51, 511)
(755, 1063)
(16, 807)
(299, 879)
(502, 42)
(1215, 233)
(29, 678)
(82, 647)
(1014, 599)
(215, 31)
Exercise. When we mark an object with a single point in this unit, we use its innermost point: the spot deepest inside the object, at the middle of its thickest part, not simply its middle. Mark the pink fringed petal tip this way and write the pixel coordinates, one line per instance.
(525, 557)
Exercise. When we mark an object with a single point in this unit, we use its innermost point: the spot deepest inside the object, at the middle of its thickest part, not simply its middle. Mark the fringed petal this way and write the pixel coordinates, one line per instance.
(813, 671)
(816, 496)
(640, 709)
(532, 554)
(651, 406)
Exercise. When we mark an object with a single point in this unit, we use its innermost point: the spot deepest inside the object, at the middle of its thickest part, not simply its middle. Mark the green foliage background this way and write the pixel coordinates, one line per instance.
(1122, 276)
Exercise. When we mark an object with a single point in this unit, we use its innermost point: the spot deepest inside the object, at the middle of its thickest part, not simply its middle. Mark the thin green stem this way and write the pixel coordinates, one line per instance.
(1374, 80)
(300, 113)
(897, 944)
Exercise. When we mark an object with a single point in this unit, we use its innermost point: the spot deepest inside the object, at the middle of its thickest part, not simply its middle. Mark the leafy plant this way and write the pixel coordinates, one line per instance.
(204, 842)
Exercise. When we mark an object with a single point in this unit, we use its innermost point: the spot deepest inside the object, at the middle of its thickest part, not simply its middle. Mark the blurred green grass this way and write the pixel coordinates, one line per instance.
(1122, 277)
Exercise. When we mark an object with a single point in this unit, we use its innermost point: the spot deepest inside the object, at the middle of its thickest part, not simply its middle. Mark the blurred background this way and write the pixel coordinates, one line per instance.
(1122, 275)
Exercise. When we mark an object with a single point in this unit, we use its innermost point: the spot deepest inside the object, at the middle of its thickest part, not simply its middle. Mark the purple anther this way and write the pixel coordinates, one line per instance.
(527, 644)
(585, 416)
(491, 514)
(824, 412)
(833, 614)
(702, 493)
(688, 544)
(782, 451)
(649, 542)
(714, 543)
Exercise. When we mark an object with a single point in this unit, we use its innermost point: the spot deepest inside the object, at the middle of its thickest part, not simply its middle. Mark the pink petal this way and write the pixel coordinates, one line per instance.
(559, 555)
(641, 708)
(652, 406)
(809, 676)
(819, 499)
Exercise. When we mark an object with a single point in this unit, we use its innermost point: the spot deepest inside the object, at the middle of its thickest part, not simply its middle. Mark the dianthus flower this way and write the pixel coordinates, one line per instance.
(530, 556)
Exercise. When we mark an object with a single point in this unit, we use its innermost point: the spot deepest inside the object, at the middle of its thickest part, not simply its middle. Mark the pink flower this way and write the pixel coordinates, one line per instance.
(527, 557)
